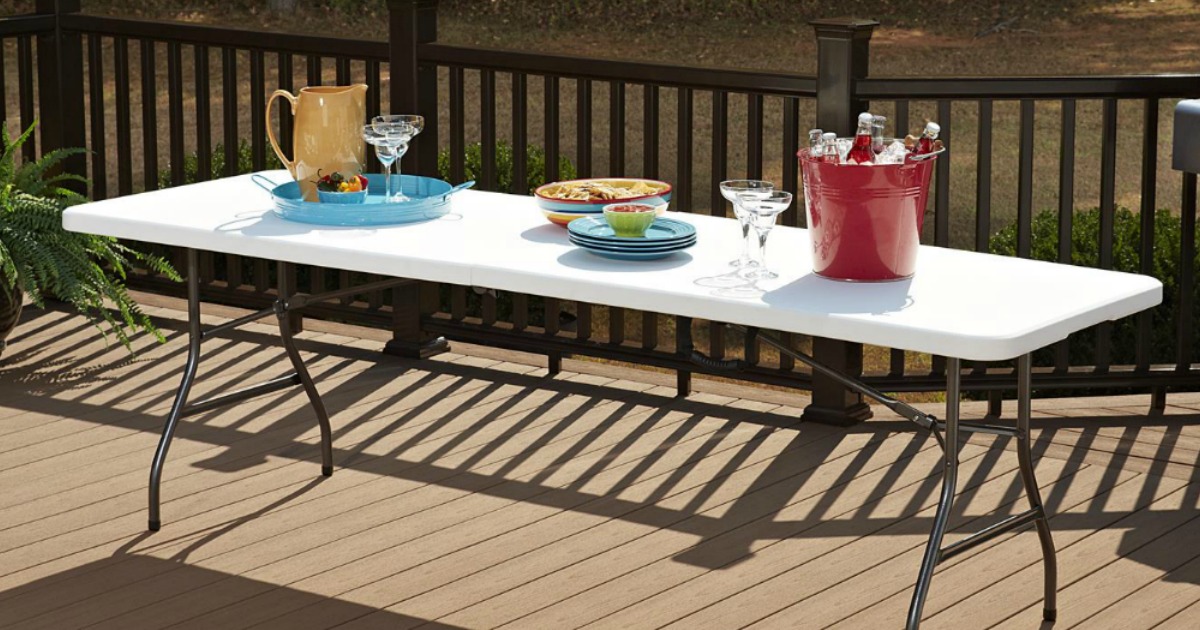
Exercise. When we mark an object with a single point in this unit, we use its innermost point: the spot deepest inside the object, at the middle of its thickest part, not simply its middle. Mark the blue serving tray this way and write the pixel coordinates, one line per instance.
(428, 199)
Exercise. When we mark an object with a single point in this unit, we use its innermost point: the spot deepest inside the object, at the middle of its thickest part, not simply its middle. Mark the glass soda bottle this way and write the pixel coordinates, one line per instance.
(877, 125)
(829, 150)
(860, 151)
(814, 143)
(925, 142)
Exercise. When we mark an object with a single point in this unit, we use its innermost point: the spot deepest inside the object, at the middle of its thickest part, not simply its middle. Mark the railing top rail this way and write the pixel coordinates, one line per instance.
(732, 80)
(226, 36)
(1124, 86)
(26, 25)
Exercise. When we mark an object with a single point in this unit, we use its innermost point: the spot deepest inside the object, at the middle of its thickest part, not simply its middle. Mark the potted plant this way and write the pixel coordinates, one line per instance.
(39, 259)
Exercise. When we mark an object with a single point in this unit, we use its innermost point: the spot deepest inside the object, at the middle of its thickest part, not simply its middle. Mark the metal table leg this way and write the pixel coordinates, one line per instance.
(1036, 514)
(300, 376)
(185, 386)
(949, 483)
(1025, 459)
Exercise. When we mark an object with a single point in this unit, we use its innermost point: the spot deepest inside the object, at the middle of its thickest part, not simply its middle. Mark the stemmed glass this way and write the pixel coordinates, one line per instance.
(732, 190)
(763, 210)
(390, 134)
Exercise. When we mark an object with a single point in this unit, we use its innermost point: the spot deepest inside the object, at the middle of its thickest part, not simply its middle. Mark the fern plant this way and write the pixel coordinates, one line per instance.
(41, 259)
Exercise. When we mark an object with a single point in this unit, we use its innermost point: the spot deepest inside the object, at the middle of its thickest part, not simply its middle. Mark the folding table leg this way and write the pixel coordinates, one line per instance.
(289, 344)
(1025, 461)
(185, 386)
(933, 548)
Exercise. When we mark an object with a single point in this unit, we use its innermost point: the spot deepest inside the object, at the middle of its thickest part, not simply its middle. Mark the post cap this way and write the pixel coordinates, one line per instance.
(848, 27)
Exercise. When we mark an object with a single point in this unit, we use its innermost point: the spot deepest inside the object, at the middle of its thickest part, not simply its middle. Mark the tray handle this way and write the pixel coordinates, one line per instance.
(263, 182)
(463, 186)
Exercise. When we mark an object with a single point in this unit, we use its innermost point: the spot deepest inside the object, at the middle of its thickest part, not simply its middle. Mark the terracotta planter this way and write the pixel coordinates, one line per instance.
(10, 312)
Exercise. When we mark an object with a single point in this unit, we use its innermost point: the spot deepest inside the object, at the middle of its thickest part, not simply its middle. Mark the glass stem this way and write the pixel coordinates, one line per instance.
(745, 259)
(398, 177)
(762, 247)
(387, 182)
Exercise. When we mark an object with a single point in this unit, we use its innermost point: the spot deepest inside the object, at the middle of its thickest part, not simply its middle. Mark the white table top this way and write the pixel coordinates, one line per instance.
(959, 304)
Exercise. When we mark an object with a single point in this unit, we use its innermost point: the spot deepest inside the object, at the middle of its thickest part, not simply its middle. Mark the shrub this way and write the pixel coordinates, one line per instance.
(535, 166)
(245, 164)
(1085, 251)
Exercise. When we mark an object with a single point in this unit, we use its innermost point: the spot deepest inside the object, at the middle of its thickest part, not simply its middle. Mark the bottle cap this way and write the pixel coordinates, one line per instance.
(865, 117)
(879, 120)
(933, 128)
(829, 136)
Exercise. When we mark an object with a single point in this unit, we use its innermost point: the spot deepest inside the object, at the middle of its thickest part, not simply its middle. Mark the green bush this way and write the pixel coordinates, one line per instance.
(1085, 251)
(191, 163)
(535, 166)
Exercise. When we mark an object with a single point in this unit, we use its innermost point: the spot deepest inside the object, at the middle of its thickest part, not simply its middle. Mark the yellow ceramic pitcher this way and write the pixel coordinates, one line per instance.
(327, 133)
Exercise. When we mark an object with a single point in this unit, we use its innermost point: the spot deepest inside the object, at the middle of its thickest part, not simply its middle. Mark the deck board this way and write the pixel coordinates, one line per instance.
(477, 491)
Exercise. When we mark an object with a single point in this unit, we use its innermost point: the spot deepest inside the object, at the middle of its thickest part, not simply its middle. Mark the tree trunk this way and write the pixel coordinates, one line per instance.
(10, 311)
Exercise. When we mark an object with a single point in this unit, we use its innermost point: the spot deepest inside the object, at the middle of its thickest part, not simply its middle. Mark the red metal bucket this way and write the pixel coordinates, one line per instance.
(865, 221)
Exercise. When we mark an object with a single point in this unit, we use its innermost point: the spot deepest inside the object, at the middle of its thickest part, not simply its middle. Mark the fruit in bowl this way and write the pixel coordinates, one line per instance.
(563, 202)
(338, 188)
(630, 220)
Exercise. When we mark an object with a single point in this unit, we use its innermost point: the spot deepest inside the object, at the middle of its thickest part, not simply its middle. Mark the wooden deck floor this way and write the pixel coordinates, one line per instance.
(476, 492)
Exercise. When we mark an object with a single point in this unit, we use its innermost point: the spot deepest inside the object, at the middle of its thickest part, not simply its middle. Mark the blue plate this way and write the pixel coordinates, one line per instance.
(632, 247)
(662, 231)
(428, 199)
(632, 255)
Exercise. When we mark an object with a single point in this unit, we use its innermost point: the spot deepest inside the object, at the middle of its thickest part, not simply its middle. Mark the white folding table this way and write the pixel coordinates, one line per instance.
(961, 305)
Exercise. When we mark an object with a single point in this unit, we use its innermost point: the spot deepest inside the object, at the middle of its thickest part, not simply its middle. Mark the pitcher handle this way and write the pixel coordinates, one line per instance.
(290, 164)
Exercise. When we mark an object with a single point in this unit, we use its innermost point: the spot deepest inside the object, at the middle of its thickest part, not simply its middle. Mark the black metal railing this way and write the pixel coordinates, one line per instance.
(694, 126)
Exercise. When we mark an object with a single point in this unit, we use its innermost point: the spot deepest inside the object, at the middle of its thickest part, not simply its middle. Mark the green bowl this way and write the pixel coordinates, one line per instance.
(630, 224)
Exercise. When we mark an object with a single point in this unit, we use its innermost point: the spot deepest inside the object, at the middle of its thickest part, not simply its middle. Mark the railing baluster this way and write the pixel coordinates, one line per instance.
(458, 125)
(553, 308)
(683, 175)
(790, 163)
(583, 127)
(520, 134)
(25, 93)
(258, 104)
(489, 308)
(285, 80)
(900, 124)
(1066, 209)
(229, 110)
(941, 204)
(314, 70)
(3, 85)
(583, 321)
(203, 115)
(229, 128)
(983, 179)
(754, 136)
(616, 129)
(551, 123)
(1187, 274)
(649, 330)
(1146, 251)
(149, 116)
(1025, 181)
(175, 111)
(342, 68)
(124, 116)
(650, 97)
(487, 129)
(520, 316)
(1108, 182)
(99, 154)
(720, 152)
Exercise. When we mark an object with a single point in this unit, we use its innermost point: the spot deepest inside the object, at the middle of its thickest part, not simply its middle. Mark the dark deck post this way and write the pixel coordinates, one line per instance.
(413, 90)
(843, 56)
(60, 89)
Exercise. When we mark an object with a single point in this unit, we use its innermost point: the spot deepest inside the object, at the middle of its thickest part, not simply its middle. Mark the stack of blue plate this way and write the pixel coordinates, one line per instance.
(663, 238)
